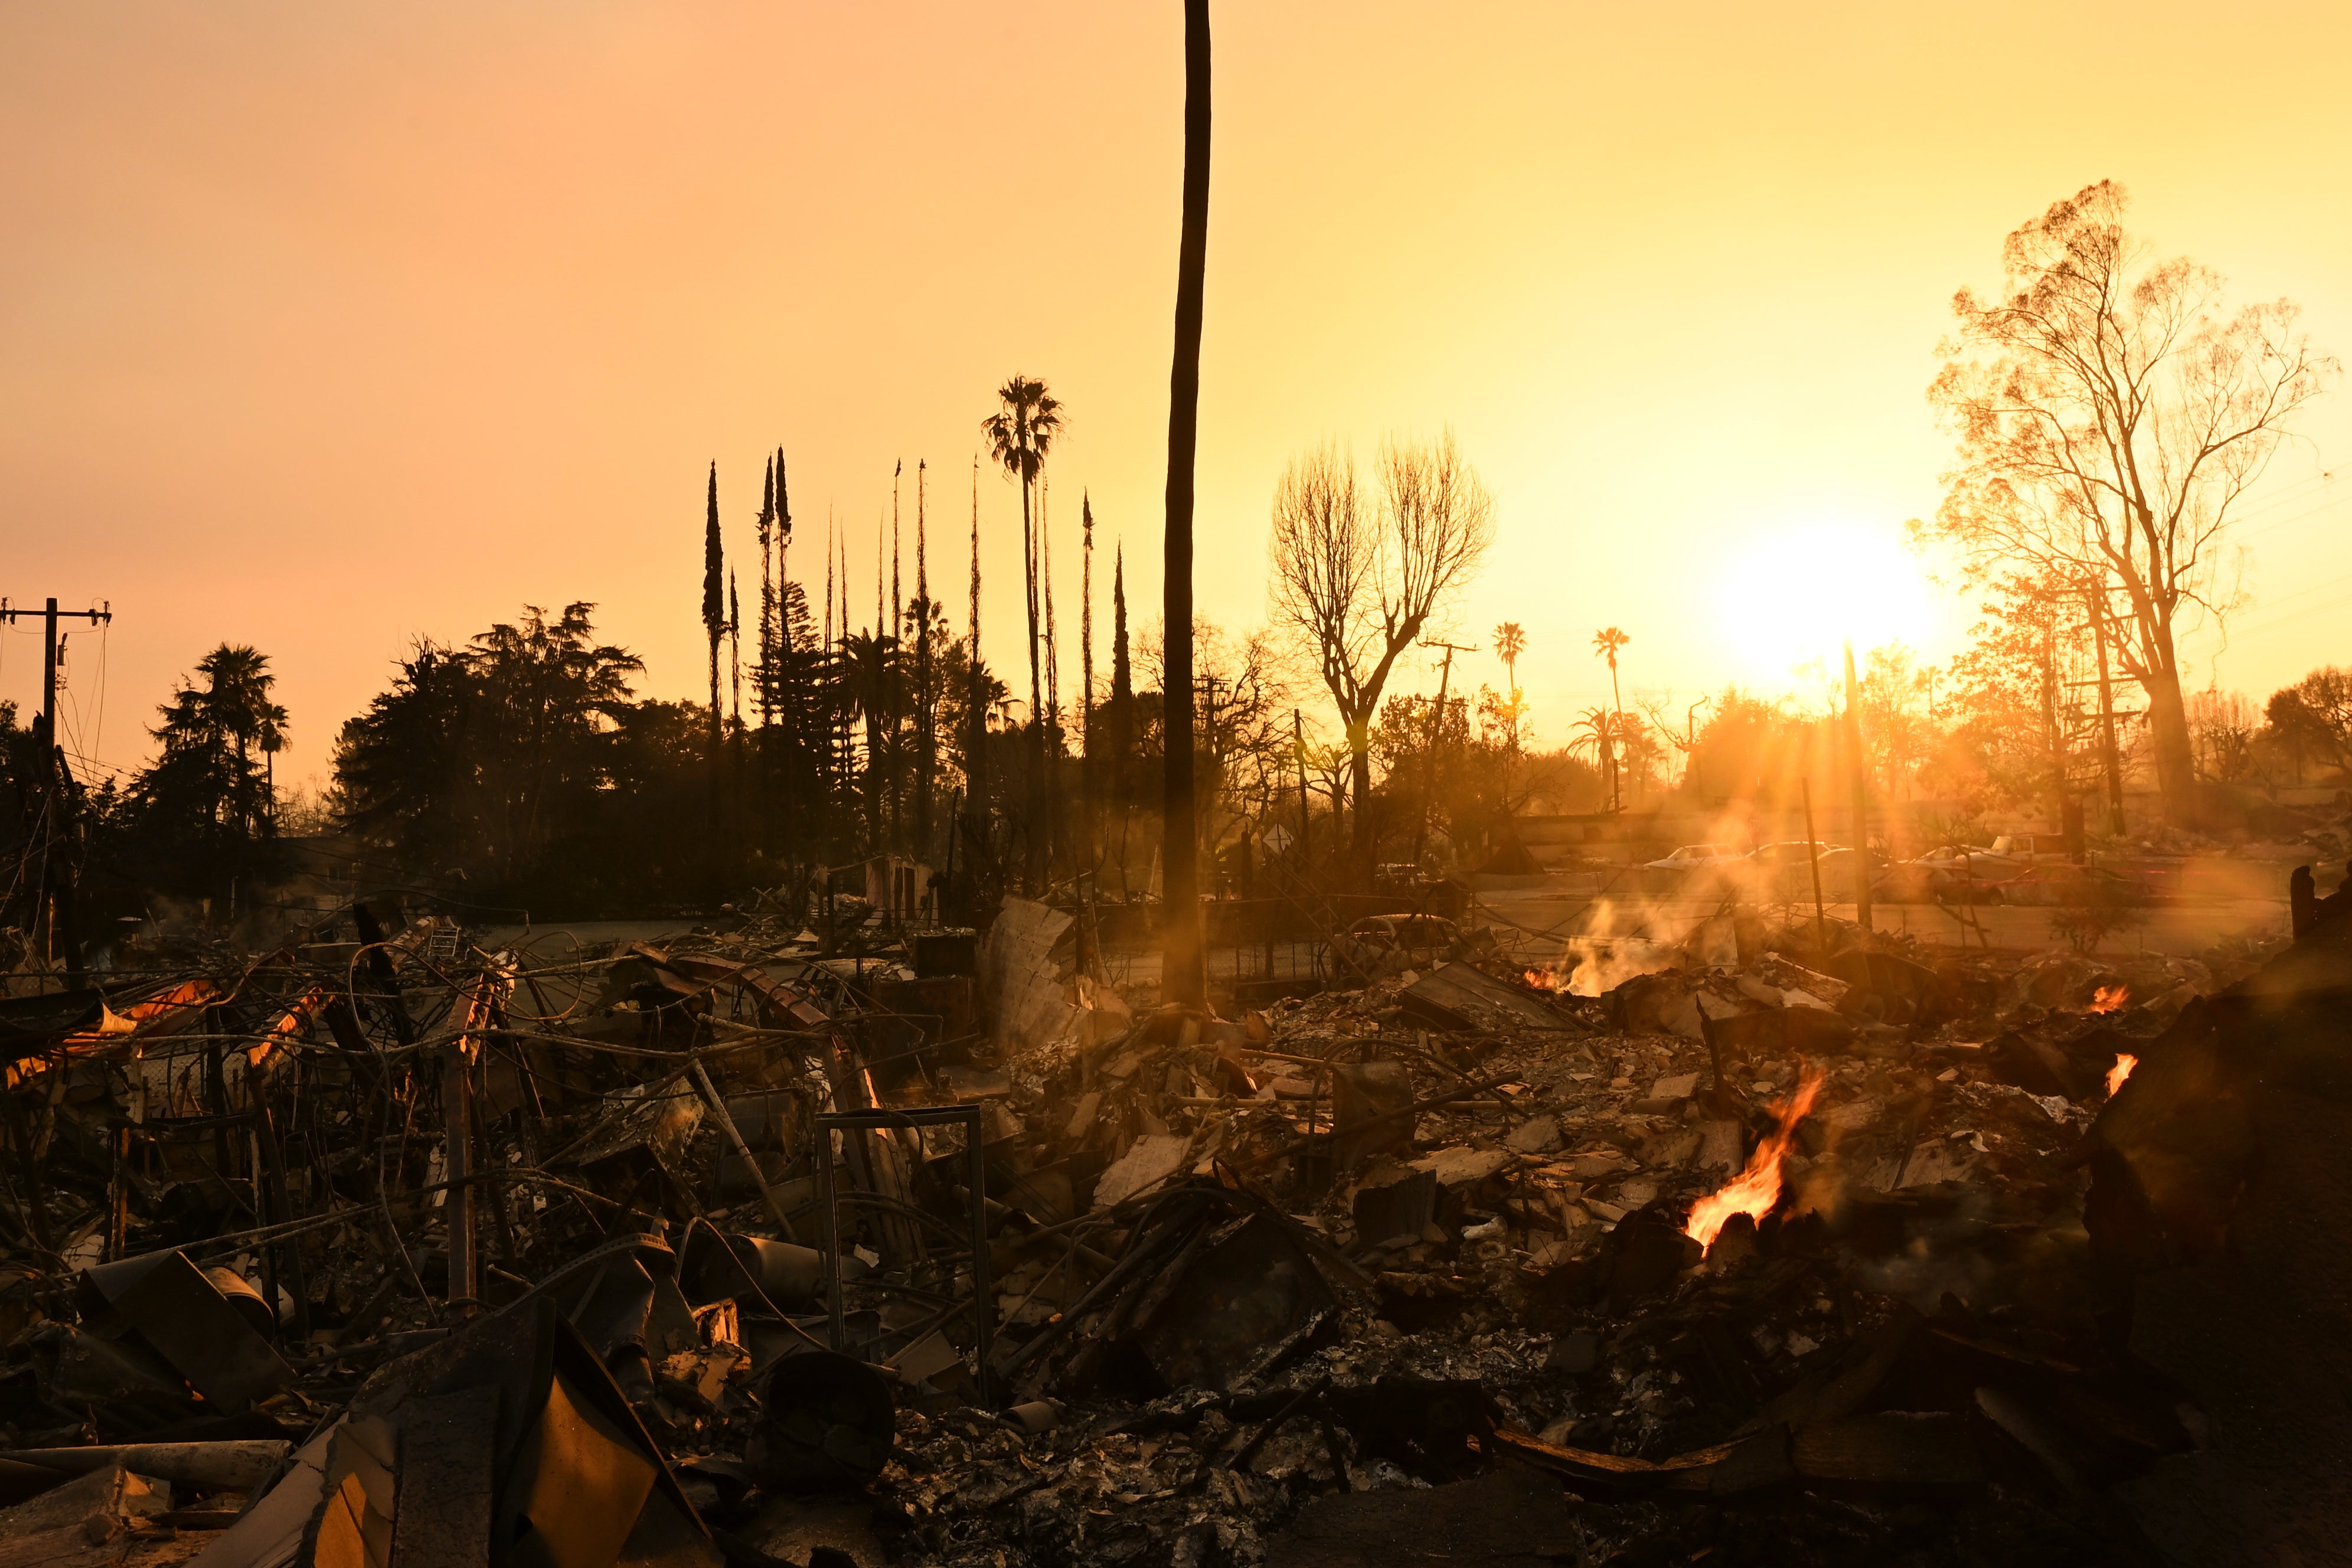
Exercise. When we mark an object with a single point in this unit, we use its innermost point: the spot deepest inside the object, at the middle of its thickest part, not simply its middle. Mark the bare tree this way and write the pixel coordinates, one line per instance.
(2109, 420)
(1356, 587)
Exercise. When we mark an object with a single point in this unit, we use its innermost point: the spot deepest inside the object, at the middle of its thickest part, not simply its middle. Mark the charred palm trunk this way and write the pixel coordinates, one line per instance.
(1034, 860)
(1182, 977)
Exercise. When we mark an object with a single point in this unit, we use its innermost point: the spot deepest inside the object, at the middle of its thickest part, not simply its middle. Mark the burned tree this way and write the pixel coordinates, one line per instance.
(2110, 421)
(1357, 586)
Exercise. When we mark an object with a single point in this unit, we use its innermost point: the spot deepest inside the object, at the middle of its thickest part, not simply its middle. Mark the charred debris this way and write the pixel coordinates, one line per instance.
(771, 1243)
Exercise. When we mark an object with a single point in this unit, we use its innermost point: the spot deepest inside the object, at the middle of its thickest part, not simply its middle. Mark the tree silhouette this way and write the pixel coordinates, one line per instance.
(1020, 434)
(1356, 587)
(714, 624)
(1606, 642)
(2110, 423)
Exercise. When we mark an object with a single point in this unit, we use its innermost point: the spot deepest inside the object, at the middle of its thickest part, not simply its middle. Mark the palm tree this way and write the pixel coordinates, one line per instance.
(1594, 735)
(236, 703)
(1183, 976)
(1510, 642)
(1606, 642)
(1020, 434)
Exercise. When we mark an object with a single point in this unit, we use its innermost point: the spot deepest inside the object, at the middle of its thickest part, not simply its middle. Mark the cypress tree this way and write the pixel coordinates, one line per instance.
(714, 623)
(763, 697)
(1122, 672)
(779, 661)
(926, 731)
(1121, 738)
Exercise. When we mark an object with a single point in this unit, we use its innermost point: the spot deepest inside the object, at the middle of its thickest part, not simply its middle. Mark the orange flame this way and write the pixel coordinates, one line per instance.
(2125, 1062)
(1755, 1191)
(2110, 998)
(1544, 978)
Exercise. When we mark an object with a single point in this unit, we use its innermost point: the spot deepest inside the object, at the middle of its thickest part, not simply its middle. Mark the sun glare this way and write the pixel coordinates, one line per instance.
(1795, 594)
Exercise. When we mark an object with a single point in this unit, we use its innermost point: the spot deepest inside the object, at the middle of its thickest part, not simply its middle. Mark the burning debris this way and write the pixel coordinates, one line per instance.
(784, 1241)
(1754, 1192)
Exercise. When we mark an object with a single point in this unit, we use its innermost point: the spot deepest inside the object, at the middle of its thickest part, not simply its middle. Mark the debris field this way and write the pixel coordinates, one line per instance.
(817, 1242)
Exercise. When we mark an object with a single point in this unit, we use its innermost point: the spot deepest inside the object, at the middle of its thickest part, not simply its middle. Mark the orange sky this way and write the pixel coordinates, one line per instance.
(324, 326)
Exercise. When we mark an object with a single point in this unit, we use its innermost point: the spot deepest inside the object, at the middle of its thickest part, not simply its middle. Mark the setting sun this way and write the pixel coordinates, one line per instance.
(1795, 594)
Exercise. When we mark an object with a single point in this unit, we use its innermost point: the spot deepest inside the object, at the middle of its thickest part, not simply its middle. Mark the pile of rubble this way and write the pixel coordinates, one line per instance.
(809, 1243)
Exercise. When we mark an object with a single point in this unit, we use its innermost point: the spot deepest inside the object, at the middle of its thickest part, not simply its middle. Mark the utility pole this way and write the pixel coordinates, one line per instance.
(1814, 855)
(1861, 795)
(1306, 812)
(2107, 717)
(1436, 729)
(57, 878)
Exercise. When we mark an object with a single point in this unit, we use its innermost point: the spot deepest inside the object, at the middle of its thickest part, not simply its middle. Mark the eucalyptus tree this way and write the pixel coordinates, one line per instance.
(2112, 422)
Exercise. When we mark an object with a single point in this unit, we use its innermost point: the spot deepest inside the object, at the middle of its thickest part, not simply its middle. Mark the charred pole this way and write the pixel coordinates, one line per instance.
(1086, 671)
(1856, 777)
(57, 876)
(1182, 978)
(975, 793)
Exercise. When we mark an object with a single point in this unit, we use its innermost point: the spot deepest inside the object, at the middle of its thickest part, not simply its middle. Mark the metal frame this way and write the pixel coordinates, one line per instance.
(983, 1306)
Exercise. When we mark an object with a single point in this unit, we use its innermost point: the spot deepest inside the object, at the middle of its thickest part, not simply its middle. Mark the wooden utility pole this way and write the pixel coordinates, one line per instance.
(1857, 778)
(57, 877)
(463, 1205)
(1182, 978)
(1436, 730)
(1814, 857)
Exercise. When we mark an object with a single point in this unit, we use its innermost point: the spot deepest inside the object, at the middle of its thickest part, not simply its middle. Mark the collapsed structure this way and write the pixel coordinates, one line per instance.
(773, 1243)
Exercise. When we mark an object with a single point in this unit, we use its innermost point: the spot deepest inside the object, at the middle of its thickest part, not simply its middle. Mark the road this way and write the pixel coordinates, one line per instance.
(2182, 930)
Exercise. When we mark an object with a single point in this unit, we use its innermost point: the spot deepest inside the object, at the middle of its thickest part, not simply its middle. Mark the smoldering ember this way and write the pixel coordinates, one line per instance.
(1392, 1028)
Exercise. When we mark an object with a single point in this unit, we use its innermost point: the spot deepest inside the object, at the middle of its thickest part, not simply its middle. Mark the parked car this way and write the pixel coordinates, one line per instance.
(1791, 852)
(1381, 945)
(1698, 857)
(1966, 859)
(2034, 848)
(1841, 866)
(2070, 884)
(1783, 872)
(1695, 871)
(1948, 874)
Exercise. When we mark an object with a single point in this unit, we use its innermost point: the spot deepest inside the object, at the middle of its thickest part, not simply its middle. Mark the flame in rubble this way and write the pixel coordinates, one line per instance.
(1542, 978)
(1757, 1190)
(2110, 998)
(2125, 1062)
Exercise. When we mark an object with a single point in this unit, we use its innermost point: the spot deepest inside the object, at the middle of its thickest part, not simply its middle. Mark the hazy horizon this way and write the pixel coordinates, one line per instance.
(331, 328)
